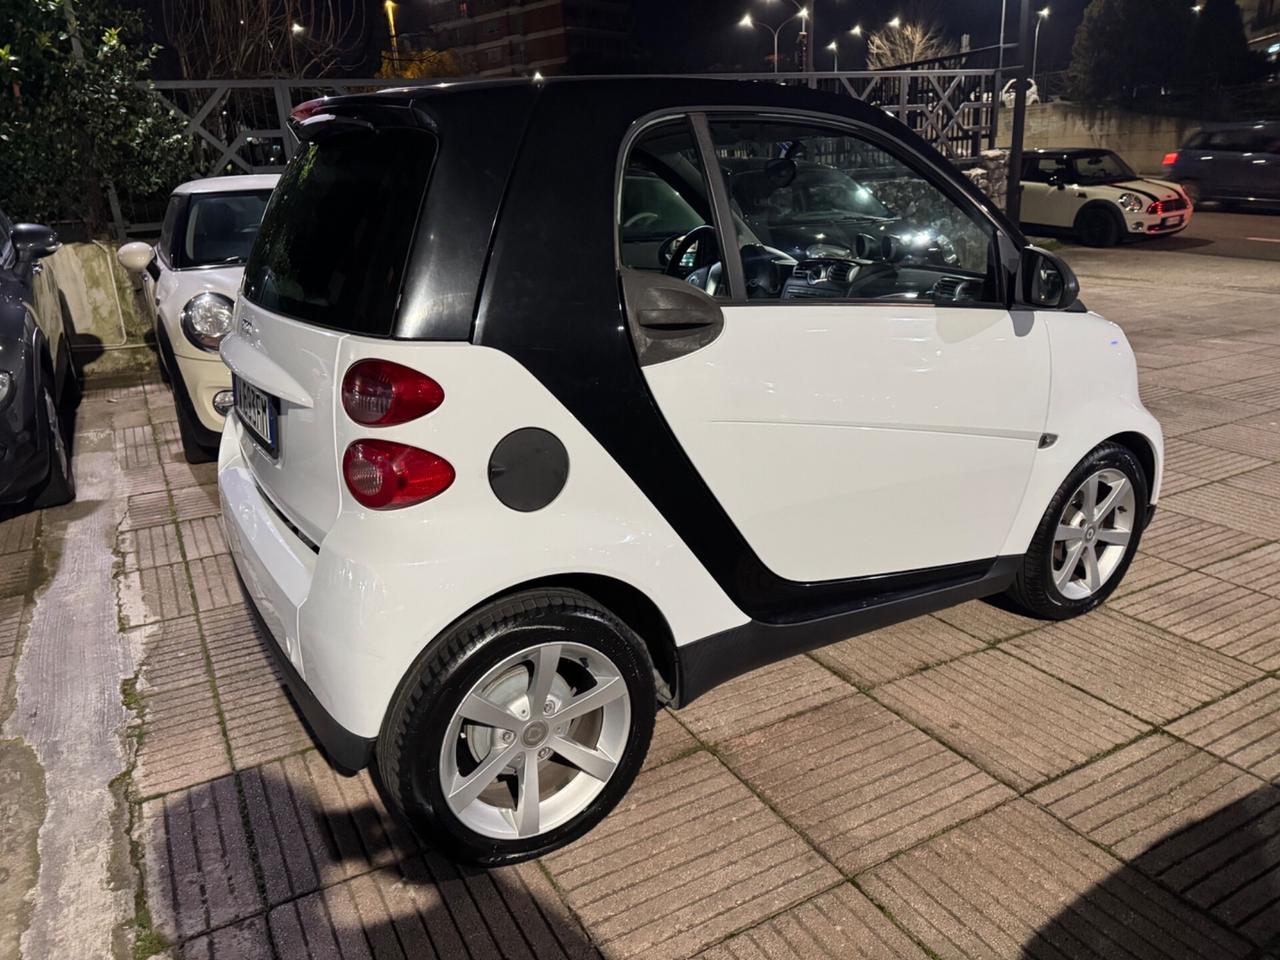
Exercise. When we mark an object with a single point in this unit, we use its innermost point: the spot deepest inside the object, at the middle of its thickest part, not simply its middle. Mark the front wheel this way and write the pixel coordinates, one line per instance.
(1087, 537)
(1098, 227)
(60, 486)
(520, 729)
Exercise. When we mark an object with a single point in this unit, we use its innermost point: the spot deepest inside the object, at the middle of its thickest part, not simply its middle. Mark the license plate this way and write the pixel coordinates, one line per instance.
(259, 412)
(1172, 221)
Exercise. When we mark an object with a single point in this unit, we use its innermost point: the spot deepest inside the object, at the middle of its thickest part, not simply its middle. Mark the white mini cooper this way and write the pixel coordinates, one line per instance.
(1094, 196)
(190, 278)
(627, 388)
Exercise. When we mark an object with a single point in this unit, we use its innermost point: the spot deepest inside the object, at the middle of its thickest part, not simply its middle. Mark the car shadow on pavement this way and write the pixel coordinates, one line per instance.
(290, 860)
(1210, 888)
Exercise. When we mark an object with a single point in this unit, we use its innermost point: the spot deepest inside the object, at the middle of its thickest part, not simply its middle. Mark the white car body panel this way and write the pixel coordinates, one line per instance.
(883, 438)
(354, 616)
(1054, 206)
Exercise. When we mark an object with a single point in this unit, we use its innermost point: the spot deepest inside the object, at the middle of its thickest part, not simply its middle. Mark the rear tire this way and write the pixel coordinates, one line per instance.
(60, 485)
(1079, 553)
(554, 647)
(1098, 227)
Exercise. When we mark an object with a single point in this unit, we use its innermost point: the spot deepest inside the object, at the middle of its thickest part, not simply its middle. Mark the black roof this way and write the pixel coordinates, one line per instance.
(1068, 151)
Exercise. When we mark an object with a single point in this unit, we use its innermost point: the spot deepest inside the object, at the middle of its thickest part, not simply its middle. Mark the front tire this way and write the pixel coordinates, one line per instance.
(1087, 537)
(60, 486)
(520, 729)
(1098, 227)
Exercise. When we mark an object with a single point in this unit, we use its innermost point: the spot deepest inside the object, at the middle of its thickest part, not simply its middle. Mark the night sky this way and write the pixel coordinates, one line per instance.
(681, 35)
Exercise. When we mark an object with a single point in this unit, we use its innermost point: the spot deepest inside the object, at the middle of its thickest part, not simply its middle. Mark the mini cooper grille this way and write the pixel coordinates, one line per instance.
(1167, 206)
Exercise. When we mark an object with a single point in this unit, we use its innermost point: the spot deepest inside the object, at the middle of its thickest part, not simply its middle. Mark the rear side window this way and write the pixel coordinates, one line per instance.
(334, 241)
(170, 226)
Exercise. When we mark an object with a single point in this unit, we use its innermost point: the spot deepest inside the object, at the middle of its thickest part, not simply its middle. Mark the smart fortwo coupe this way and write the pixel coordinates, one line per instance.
(557, 401)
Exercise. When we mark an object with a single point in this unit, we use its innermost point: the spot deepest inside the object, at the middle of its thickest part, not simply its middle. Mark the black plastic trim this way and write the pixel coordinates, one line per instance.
(711, 661)
(206, 438)
(347, 751)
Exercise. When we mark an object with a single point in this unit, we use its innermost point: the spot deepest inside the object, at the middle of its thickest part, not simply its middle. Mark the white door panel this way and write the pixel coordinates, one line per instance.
(853, 440)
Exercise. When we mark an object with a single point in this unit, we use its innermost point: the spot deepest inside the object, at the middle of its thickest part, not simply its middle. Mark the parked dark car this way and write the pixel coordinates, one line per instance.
(1234, 163)
(38, 381)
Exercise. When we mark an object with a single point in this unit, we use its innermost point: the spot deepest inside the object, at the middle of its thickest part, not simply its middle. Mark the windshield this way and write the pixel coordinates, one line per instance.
(815, 195)
(1101, 168)
(221, 227)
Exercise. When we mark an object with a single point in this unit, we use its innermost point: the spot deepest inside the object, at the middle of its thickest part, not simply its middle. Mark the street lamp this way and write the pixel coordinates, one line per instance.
(390, 8)
(296, 28)
(856, 31)
(1041, 17)
(749, 22)
(807, 28)
(896, 22)
(835, 56)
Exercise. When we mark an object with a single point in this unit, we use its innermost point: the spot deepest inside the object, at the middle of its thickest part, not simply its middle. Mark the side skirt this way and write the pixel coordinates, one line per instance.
(711, 661)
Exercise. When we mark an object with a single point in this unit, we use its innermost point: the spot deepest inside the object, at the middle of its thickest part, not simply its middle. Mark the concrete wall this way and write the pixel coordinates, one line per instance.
(1141, 139)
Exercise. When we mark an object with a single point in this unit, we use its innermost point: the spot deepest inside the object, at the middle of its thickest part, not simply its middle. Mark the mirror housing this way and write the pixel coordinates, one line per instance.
(33, 241)
(1046, 281)
(135, 256)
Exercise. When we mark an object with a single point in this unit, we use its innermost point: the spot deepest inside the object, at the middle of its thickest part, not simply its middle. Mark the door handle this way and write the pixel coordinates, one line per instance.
(668, 316)
(675, 318)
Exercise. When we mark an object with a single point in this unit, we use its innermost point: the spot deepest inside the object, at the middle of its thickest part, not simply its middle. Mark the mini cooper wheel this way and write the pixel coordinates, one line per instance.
(1087, 538)
(520, 729)
(60, 487)
(1098, 227)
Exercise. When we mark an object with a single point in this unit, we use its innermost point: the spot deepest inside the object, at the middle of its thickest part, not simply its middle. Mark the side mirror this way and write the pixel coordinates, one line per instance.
(33, 241)
(1047, 281)
(135, 256)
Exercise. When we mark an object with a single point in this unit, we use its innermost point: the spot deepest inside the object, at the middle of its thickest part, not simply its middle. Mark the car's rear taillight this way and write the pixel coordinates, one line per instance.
(1170, 159)
(384, 475)
(379, 393)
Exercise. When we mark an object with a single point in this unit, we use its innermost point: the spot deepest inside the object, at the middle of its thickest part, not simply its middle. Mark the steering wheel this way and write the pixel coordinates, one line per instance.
(707, 253)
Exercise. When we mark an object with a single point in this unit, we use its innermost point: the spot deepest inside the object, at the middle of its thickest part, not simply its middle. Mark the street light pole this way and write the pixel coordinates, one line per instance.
(1041, 17)
(1013, 203)
(835, 56)
(1004, 8)
(748, 21)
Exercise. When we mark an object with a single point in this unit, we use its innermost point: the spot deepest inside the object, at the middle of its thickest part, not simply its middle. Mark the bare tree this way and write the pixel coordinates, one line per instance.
(918, 39)
(253, 39)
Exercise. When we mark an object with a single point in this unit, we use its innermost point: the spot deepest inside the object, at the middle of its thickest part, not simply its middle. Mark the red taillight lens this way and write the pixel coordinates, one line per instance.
(1170, 159)
(384, 475)
(304, 111)
(379, 393)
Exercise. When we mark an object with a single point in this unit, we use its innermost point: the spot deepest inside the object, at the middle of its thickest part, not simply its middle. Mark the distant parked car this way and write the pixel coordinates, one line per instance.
(1235, 163)
(38, 381)
(1096, 197)
(1010, 91)
(190, 278)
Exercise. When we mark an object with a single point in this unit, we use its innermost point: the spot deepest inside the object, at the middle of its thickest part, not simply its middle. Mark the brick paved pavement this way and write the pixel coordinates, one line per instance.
(973, 784)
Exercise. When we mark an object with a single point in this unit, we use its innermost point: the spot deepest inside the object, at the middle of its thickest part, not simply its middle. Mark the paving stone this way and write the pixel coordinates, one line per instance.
(213, 580)
(1265, 481)
(841, 924)
(1015, 722)
(1243, 438)
(762, 697)
(143, 480)
(197, 863)
(1244, 510)
(113, 392)
(1209, 463)
(1264, 391)
(1194, 543)
(670, 740)
(1172, 482)
(313, 828)
(202, 537)
(146, 510)
(1132, 666)
(1258, 569)
(883, 655)
(1226, 617)
(261, 721)
(192, 502)
(688, 858)
(170, 442)
(986, 621)
(172, 655)
(19, 533)
(182, 475)
(1244, 729)
(1201, 827)
(136, 447)
(1184, 413)
(243, 941)
(150, 547)
(182, 744)
(1146, 571)
(15, 573)
(859, 782)
(1016, 883)
(10, 624)
(156, 593)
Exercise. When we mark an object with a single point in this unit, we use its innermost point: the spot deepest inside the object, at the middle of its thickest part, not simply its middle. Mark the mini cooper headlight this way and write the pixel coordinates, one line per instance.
(206, 319)
(1130, 202)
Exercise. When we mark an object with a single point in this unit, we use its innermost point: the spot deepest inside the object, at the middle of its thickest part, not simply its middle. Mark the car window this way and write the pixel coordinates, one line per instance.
(664, 196)
(169, 227)
(221, 226)
(827, 214)
(1045, 169)
(1101, 167)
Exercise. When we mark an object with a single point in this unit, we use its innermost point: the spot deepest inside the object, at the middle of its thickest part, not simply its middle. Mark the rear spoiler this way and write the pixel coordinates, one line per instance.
(313, 121)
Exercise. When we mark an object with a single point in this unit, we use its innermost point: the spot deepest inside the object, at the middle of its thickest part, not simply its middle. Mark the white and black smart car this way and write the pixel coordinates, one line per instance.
(539, 426)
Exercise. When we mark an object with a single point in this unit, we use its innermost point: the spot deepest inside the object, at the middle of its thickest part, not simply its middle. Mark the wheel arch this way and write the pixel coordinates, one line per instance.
(1141, 447)
(1107, 206)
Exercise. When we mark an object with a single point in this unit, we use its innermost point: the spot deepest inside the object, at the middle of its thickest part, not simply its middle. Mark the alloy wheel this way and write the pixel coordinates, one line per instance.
(1093, 534)
(535, 740)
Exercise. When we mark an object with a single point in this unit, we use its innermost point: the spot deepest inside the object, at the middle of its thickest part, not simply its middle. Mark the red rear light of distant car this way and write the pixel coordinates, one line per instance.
(304, 111)
(384, 475)
(379, 393)
(1170, 159)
